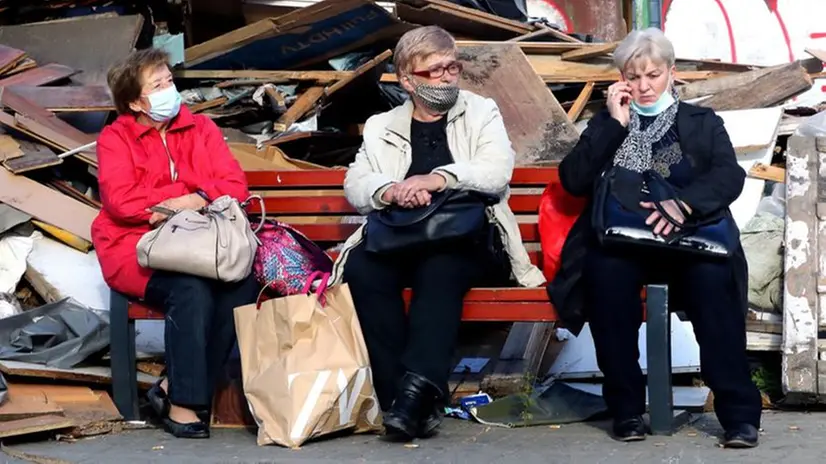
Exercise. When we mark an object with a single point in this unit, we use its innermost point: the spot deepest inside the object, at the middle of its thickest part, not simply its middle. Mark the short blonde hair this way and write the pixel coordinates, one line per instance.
(421, 43)
(649, 44)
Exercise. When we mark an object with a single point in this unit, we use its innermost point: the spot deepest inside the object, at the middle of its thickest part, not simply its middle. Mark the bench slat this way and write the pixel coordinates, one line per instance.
(481, 304)
(338, 204)
(340, 232)
(523, 176)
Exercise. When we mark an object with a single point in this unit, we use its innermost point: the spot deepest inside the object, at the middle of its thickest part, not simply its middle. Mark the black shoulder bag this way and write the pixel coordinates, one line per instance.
(452, 216)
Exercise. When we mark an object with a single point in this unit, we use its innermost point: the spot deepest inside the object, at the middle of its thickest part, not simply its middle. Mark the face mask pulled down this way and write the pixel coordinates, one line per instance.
(662, 104)
(164, 104)
(437, 98)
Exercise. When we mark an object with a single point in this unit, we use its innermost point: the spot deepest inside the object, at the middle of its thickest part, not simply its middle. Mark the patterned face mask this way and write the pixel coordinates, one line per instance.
(438, 98)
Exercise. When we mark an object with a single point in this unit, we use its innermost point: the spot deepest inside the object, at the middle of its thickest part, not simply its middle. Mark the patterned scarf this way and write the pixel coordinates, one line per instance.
(635, 152)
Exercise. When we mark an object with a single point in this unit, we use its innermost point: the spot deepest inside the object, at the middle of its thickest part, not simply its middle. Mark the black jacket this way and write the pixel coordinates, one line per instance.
(718, 181)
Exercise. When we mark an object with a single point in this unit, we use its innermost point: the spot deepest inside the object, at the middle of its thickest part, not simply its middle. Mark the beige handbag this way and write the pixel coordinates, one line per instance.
(215, 242)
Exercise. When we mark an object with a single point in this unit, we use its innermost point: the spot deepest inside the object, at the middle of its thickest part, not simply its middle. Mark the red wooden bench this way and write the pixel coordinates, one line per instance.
(313, 202)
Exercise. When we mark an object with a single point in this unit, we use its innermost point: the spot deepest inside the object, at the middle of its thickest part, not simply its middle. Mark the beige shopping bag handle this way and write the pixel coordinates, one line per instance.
(322, 287)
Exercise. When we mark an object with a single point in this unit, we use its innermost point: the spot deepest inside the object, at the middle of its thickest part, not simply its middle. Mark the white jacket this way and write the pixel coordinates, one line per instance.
(484, 161)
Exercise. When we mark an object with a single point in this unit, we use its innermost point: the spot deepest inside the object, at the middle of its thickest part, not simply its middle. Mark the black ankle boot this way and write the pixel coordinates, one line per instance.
(416, 394)
(430, 422)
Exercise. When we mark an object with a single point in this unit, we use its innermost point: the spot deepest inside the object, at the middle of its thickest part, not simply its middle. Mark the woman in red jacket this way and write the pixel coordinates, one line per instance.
(158, 153)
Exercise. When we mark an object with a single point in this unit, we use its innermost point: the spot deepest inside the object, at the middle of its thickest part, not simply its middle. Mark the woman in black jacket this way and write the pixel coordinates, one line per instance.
(645, 127)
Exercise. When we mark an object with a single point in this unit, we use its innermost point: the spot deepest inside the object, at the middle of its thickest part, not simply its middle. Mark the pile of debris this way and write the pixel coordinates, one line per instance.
(293, 92)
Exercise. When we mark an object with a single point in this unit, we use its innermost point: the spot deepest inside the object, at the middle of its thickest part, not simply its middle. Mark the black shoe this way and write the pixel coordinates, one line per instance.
(158, 400)
(192, 430)
(741, 436)
(632, 429)
(430, 423)
(415, 394)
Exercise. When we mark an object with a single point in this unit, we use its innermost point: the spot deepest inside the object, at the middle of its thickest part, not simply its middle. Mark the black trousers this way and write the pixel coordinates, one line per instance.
(199, 330)
(706, 290)
(423, 341)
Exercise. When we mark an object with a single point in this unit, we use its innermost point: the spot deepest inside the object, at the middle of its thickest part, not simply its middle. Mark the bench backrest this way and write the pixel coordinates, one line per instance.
(313, 201)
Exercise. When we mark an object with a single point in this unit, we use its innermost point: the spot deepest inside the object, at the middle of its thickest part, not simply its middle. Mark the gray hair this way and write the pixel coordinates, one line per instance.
(648, 43)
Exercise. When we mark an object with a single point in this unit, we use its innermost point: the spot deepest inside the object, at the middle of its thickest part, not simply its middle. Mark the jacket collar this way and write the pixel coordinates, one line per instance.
(402, 115)
(183, 120)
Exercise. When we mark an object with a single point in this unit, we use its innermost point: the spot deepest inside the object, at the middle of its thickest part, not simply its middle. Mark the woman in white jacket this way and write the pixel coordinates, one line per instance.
(442, 138)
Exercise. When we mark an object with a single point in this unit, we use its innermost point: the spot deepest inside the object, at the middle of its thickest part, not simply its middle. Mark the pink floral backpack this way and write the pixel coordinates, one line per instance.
(286, 259)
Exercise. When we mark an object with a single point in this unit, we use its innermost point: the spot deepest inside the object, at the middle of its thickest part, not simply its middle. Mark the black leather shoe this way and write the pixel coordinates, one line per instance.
(741, 436)
(430, 423)
(191, 430)
(158, 400)
(415, 394)
(631, 429)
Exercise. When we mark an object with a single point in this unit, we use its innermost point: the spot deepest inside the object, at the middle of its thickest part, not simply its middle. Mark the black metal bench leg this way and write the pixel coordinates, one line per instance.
(658, 347)
(122, 349)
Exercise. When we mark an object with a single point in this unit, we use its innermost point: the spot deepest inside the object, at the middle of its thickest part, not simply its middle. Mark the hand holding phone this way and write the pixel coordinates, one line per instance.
(619, 102)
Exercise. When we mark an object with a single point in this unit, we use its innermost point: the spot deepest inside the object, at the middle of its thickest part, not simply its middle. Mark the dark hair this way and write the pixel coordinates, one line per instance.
(125, 77)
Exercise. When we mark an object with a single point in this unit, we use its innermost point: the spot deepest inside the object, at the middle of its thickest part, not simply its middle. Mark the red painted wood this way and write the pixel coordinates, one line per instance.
(338, 204)
(535, 256)
(525, 176)
(340, 232)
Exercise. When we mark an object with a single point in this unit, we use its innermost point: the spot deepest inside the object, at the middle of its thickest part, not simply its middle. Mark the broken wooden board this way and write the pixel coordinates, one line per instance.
(46, 126)
(765, 172)
(537, 125)
(305, 102)
(209, 104)
(584, 97)
(79, 403)
(35, 156)
(19, 405)
(46, 204)
(67, 98)
(41, 75)
(460, 20)
(9, 148)
(9, 58)
(771, 88)
(31, 425)
(303, 37)
(702, 88)
(583, 54)
(87, 374)
(321, 77)
(800, 296)
(553, 69)
(23, 65)
(63, 236)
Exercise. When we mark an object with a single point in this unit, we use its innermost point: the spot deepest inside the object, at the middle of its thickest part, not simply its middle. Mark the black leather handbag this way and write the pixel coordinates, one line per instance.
(453, 215)
(618, 219)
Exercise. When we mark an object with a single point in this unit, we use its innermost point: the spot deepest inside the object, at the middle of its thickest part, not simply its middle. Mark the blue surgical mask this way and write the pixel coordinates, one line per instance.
(662, 103)
(164, 104)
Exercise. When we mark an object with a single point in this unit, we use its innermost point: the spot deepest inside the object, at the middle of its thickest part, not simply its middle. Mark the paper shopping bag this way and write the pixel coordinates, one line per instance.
(305, 368)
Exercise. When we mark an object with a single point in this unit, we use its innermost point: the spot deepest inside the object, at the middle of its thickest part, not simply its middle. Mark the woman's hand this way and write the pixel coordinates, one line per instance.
(619, 102)
(661, 225)
(191, 201)
(415, 191)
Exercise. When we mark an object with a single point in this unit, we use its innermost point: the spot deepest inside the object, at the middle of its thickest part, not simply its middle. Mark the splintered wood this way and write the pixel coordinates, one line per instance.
(537, 125)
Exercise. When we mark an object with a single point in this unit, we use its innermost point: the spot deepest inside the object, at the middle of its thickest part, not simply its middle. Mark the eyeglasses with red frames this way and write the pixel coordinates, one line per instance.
(453, 68)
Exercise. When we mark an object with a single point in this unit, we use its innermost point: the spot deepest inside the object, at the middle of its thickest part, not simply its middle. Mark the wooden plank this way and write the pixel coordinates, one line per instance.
(799, 374)
(363, 70)
(522, 176)
(312, 203)
(9, 58)
(582, 100)
(817, 53)
(41, 75)
(460, 20)
(207, 105)
(31, 425)
(552, 69)
(534, 48)
(35, 156)
(46, 204)
(320, 77)
(23, 65)
(772, 173)
(769, 89)
(67, 98)
(88, 374)
(299, 108)
(9, 148)
(21, 406)
(591, 52)
(538, 127)
(702, 88)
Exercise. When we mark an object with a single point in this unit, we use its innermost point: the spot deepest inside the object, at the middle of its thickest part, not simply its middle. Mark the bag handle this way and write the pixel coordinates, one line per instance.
(263, 212)
(665, 191)
(325, 280)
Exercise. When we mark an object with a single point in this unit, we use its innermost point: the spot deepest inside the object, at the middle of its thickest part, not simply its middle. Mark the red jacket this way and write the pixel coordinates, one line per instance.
(134, 174)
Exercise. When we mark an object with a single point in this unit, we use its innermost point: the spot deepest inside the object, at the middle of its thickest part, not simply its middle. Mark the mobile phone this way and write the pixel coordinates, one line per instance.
(162, 210)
